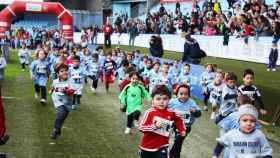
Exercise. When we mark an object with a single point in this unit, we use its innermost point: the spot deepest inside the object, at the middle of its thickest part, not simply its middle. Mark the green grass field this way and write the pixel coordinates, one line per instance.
(95, 130)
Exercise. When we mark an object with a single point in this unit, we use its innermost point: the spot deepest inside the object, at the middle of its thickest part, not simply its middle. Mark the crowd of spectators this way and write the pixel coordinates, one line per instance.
(243, 18)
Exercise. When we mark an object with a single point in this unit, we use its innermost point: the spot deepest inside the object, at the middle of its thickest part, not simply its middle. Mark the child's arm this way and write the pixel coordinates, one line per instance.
(180, 125)
(147, 123)
(260, 101)
(266, 150)
(123, 96)
(146, 94)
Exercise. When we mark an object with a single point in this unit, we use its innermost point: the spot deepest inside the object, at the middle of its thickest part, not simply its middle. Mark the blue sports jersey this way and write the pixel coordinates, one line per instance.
(206, 78)
(92, 69)
(77, 78)
(40, 70)
(228, 102)
(183, 109)
(215, 92)
(59, 96)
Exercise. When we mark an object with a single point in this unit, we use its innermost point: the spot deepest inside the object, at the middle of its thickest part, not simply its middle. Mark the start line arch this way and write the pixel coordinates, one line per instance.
(20, 7)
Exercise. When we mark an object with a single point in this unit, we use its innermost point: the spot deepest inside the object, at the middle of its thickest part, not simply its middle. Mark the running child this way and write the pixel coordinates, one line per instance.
(248, 88)
(154, 76)
(165, 77)
(92, 70)
(206, 78)
(62, 96)
(157, 124)
(109, 70)
(23, 54)
(77, 76)
(131, 99)
(187, 108)
(228, 98)
(40, 71)
(214, 90)
(247, 141)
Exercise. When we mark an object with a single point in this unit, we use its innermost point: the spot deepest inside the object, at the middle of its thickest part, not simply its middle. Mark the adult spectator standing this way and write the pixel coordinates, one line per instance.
(108, 30)
(133, 32)
(192, 52)
(5, 48)
(156, 48)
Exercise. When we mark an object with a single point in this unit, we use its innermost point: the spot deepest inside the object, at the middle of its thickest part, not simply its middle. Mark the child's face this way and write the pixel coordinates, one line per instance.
(183, 94)
(149, 64)
(248, 79)
(63, 74)
(209, 68)
(109, 57)
(156, 67)
(94, 59)
(231, 83)
(186, 69)
(134, 79)
(76, 63)
(41, 55)
(219, 78)
(160, 101)
(165, 68)
(129, 57)
(247, 123)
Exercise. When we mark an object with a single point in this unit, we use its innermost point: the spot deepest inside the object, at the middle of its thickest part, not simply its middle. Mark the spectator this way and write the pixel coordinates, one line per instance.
(133, 32)
(192, 53)
(108, 30)
(156, 48)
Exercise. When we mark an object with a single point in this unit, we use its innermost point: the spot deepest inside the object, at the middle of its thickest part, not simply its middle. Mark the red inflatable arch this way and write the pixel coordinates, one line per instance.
(19, 7)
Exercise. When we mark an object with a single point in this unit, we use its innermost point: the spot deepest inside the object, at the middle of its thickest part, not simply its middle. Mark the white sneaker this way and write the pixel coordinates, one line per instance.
(127, 130)
(268, 69)
(93, 90)
(273, 69)
(36, 95)
(213, 116)
(43, 101)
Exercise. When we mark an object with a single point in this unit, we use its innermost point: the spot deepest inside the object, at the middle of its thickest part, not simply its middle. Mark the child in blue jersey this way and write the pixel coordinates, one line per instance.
(120, 58)
(145, 71)
(62, 95)
(165, 77)
(40, 70)
(54, 59)
(136, 59)
(92, 71)
(185, 77)
(109, 68)
(23, 54)
(154, 76)
(188, 110)
(85, 57)
(121, 71)
(228, 99)
(77, 76)
(247, 141)
(214, 90)
(101, 60)
(206, 78)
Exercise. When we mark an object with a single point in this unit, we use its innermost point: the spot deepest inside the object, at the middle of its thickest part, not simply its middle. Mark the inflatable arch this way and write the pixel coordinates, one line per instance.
(19, 7)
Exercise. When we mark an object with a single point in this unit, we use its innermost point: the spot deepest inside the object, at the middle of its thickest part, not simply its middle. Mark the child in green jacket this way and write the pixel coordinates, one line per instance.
(131, 99)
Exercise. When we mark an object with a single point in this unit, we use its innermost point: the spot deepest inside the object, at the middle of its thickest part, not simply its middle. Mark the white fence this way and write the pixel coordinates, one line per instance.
(255, 51)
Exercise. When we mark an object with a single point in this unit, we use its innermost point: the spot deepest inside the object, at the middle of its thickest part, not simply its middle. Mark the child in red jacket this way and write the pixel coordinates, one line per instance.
(157, 124)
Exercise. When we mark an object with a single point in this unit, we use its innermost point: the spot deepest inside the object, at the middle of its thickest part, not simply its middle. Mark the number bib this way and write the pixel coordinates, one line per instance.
(167, 126)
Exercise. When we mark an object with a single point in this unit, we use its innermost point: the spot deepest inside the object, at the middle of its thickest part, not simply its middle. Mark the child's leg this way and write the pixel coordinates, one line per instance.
(61, 114)
(94, 82)
(37, 88)
(177, 146)
(130, 119)
(74, 99)
(275, 58)
(78, 100)
(136, 115)
(43, 92)
(22, 66)
(205, 101)
(148, 154)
